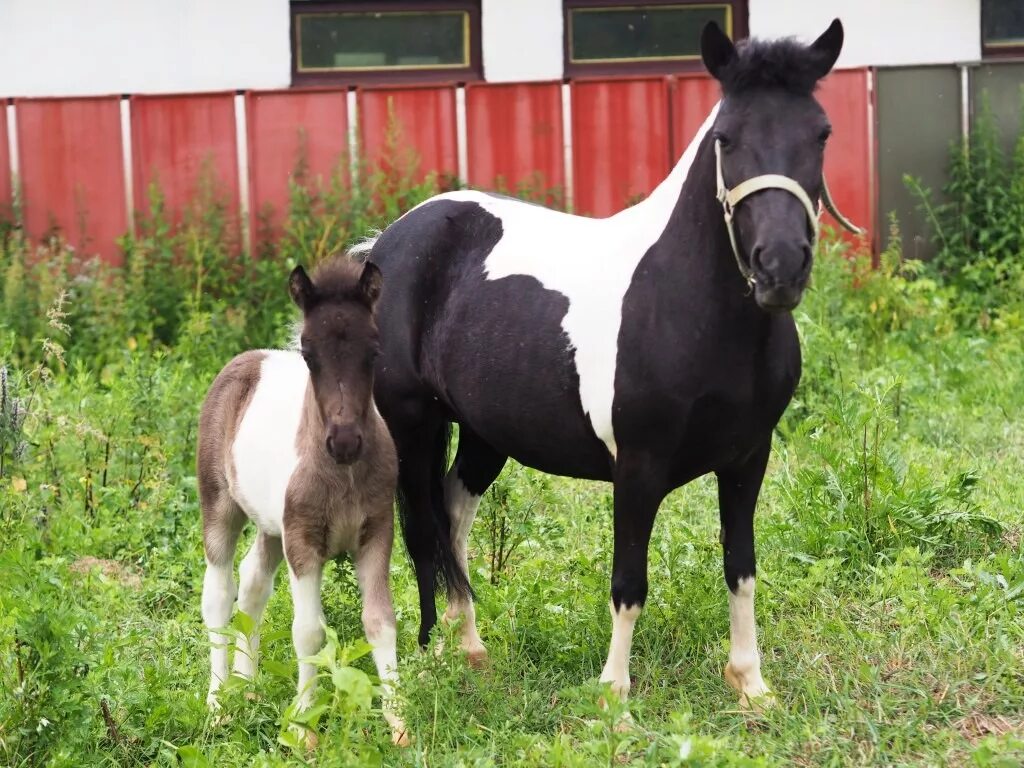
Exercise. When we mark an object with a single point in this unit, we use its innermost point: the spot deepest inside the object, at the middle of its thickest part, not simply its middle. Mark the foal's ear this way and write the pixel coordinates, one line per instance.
(301, 288)
(825, 50)
(716, 49)
(370, 283)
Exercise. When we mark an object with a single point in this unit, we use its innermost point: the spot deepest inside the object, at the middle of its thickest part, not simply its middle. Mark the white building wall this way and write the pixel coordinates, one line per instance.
(73, 47)
(522, 40)
(879, 32)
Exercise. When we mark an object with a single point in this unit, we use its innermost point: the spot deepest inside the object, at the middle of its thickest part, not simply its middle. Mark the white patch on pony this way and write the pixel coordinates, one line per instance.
(743, 671)
(462, 507)
(264, 452)
(589, 261)
(616, 669)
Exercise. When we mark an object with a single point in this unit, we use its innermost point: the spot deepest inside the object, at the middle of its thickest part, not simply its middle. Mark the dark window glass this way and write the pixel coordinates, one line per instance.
(389, 40)
(641, 32)
(1003, 22)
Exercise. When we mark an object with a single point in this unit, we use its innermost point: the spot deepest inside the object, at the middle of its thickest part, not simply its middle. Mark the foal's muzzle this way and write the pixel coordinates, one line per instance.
(344, 443)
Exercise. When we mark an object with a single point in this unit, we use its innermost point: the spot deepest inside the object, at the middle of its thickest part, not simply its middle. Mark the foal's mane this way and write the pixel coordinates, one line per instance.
(337, 279)
(785, 63)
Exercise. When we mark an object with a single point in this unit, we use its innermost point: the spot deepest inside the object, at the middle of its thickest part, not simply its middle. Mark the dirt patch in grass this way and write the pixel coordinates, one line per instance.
(127, 576)
(976, 727)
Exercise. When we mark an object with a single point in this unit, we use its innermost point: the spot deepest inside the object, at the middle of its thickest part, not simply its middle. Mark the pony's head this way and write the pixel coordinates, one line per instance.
(769, 125)
(339, 343)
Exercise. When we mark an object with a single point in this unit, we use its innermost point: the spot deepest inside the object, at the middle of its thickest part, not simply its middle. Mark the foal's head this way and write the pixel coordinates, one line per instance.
(339, 343)
(770, 123)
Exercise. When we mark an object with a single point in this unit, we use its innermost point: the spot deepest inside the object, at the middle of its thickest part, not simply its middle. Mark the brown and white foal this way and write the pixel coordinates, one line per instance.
(293, 442)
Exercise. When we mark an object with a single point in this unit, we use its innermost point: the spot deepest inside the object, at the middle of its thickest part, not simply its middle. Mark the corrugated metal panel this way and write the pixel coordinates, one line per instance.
(5, 166)
(621, 141)
(515, 136)
(849, 157)
(284, 127)
(178, 142)
(918, 120)
(692, 100)
(70, 165)
(422, 121)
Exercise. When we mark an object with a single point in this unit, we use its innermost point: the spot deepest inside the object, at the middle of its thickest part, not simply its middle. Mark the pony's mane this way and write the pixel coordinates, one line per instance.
(337, 279)
(785, 63)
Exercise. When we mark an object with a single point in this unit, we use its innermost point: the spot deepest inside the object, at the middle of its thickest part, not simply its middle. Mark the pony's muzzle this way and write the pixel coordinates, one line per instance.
(781, 271)
(344, 443)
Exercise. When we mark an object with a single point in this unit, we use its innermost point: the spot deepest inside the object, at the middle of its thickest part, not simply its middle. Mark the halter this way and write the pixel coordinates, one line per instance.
(730, 198)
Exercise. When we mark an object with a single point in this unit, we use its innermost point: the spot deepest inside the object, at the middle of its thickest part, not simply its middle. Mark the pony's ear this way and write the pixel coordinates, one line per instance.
(825, 50)
(370, 283)
(301, 288)
(716, 49)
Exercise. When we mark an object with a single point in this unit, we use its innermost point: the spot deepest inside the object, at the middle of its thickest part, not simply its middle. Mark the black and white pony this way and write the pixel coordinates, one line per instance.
(629, 349)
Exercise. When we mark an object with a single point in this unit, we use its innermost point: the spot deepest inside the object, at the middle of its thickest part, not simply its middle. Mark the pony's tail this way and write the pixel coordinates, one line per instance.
(428, 533)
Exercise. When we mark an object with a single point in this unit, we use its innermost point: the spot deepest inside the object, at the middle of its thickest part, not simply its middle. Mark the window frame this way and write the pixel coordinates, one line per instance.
(1004, 51)
(662, 66)
(471, 72)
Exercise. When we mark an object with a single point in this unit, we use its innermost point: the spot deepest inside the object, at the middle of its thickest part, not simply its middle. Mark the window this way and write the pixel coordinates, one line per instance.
(358, 42)
(1002, 27)
(612, 36)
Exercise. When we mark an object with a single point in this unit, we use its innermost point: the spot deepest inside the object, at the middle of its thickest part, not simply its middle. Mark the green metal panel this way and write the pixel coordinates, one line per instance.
(918, 120)
(1000, 83)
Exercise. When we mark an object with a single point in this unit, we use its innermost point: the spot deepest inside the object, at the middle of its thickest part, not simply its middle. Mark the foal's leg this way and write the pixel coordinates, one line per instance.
(305, 575)
(222, 523)
(372, 563)
(256, 582)
(476, 467)
(738, 488)
(639, 489)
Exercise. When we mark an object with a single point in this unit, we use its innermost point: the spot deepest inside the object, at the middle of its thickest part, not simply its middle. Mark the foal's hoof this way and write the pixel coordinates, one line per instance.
(477, 657)
(401, 738)
(755, 695)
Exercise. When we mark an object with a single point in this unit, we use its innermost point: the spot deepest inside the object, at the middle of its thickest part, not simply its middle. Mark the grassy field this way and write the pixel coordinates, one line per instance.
(891, 572)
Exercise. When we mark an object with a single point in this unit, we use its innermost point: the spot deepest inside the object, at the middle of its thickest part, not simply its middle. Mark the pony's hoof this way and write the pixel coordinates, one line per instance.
(755, 695)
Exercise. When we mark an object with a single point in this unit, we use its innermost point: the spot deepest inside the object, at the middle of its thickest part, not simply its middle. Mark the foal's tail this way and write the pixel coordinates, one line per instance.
(428, 533)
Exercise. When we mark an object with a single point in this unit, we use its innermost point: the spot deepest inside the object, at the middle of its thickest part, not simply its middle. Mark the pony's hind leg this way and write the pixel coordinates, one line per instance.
(476, 466)
(372, 563)
(738, 489)
(222, 523)
(255, 583)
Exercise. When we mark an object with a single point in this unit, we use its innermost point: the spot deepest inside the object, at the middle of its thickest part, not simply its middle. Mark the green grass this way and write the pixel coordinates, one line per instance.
(891, 573)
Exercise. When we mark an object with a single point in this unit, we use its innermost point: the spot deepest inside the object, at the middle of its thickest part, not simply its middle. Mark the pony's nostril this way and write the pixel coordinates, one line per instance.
(755, 258)
(330, 445)
(808, 253)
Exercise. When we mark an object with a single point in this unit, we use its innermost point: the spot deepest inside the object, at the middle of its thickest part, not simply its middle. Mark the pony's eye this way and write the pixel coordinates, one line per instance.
(722, 139)
(824, 135)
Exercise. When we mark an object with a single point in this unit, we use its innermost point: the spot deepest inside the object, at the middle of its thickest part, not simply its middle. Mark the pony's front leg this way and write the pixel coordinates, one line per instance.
(372, 563)
(639, 489)
(305, 574)
(738, 489)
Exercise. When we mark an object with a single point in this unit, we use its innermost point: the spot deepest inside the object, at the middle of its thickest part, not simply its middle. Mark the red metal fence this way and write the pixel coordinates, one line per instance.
(622, 135)
(5, 166)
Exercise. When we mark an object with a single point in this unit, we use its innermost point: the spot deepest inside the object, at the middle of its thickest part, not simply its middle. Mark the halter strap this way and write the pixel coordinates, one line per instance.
(730, 198)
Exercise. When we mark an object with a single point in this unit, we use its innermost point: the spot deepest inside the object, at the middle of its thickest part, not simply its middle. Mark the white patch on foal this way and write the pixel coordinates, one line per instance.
(589, 261)
(743, 672)
(264, 462)
(616, 668)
